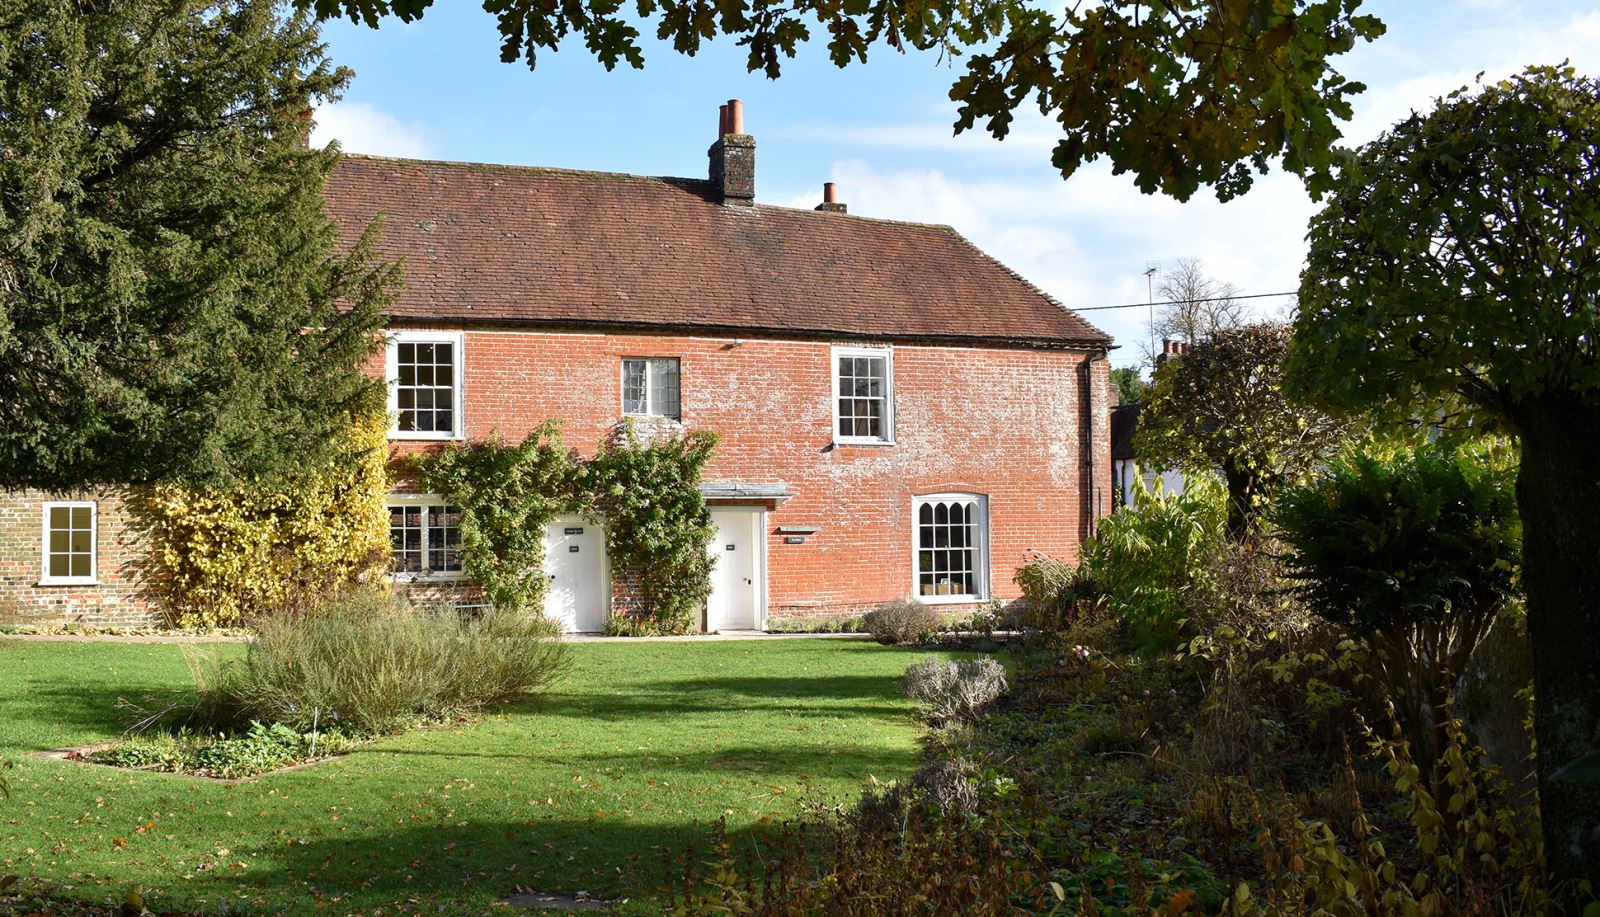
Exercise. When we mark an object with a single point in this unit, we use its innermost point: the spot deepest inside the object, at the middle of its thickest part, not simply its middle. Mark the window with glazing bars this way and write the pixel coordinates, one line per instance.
(950, 542)
(425, 538)
(650, 386)
(69, 543)
(425, 387)
(862, 393)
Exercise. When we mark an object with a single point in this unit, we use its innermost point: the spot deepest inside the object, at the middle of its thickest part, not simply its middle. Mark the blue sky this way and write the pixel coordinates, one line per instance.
(882, 130)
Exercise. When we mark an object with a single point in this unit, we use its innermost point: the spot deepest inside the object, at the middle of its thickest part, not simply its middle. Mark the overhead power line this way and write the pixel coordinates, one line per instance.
(1178, 302)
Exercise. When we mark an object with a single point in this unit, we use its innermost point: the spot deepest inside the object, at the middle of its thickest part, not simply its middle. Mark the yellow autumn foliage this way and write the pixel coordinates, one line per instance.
(225, 557)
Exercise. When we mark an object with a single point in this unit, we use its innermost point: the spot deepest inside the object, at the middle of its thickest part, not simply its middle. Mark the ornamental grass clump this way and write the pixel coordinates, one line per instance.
(375, 664)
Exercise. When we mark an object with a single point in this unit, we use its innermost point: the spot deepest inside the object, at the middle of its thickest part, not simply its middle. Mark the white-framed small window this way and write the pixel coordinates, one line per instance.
(424, 372)
(950, 544)
(425, 537)
(863, 395)
(651, 387)
(71, 544)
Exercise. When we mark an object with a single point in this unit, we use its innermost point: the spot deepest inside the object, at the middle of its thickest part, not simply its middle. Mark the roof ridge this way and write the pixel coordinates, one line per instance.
(521, 167)
(664, 179)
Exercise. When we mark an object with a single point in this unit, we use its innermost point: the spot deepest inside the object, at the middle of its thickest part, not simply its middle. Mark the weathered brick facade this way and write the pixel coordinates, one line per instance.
(553, 277)
(120, 598)
(1011, 424)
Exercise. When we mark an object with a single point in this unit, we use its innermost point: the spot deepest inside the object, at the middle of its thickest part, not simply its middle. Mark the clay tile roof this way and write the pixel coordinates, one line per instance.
(591, 249)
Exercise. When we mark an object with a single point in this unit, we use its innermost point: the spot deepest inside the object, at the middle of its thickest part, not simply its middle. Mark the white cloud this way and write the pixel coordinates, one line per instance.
(363, 128)
(1086, 241)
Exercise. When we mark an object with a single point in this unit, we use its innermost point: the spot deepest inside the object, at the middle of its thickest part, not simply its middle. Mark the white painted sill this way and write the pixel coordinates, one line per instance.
(399, 436)
(426, 577)
(843, 441)
(949, 599)
(68, 581)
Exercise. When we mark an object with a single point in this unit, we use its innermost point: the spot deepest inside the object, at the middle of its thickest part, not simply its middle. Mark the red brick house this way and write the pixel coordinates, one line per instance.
(899, 413)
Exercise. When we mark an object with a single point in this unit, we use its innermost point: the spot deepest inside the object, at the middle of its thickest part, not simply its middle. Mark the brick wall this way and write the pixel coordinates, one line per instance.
(1013, 424)
(120, 599)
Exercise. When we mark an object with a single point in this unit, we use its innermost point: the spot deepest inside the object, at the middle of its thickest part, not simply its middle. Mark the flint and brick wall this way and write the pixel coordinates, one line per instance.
(1013, 424)
(120, 598)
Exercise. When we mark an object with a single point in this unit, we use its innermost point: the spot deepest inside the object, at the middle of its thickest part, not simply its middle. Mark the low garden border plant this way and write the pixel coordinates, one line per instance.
(363, 663)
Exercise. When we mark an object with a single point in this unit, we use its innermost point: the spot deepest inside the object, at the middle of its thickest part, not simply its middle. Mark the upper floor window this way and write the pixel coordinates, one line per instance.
(425, 536)
(650, 386)
(425, 384)
(863, 395)
(951, 539)
(69, 544)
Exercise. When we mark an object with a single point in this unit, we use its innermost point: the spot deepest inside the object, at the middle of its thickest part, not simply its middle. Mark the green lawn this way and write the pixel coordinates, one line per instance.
(592, 788)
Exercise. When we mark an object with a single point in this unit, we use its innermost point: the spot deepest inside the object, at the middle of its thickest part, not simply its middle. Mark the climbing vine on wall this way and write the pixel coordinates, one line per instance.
(224, 556)
(507, 494)
(656, 521)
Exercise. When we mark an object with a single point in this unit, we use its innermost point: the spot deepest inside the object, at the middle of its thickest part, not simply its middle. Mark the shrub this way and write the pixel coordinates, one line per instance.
(954, 690)
(1056, 594)
(902, 622)
(657, 524)
(1153, 559)
(1416, 550)
(378, 664)
(225, 556)
(507, 495)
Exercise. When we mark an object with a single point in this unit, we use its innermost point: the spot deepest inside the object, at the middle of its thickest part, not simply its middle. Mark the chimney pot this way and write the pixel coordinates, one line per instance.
(830, 199)
(722, 121)
(733, 158)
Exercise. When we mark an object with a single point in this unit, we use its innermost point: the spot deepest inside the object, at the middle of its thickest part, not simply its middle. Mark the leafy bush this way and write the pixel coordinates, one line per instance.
(226, 556)
(259, 749)
(1416, 550)
(1056, 594)
(507, 495)
(657, 524)
(902, 622)
(954, 690)
(1153, 559)
(378, 664)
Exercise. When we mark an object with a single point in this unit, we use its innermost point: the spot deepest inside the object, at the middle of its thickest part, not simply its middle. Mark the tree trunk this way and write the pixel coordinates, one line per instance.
(1241, 486)
(1558, 493)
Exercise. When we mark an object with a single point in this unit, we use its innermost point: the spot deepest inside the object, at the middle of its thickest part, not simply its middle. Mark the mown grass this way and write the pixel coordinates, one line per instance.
(596, 787)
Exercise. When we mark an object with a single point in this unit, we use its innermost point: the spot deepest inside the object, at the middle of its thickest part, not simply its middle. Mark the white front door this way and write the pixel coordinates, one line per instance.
(578, 593)
(738, 577)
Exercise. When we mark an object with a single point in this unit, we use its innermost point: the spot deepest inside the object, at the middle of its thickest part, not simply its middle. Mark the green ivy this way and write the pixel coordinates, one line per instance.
(656, 521)
(507, 495)
(645, 489)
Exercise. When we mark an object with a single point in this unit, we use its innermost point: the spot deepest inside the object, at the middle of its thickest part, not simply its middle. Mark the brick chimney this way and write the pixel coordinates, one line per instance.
(733, 158)
(830, 199)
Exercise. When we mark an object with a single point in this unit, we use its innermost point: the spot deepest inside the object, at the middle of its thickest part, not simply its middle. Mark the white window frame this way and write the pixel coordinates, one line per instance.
(980, 549)
(392, 375)
(424, 576)
(649, 387)
(887, 355)
(93, 579)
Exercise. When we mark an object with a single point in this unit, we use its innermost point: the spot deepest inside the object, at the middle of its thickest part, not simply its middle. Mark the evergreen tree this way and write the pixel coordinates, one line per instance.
(174, 303)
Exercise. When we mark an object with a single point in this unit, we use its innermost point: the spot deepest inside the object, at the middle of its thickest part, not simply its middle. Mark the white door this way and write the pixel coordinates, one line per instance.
(578, 594)
(737, 579)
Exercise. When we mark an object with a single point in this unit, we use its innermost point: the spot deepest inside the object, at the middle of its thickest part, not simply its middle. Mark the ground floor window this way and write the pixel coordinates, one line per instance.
(425, 535)
(69, 543)
(951, 539)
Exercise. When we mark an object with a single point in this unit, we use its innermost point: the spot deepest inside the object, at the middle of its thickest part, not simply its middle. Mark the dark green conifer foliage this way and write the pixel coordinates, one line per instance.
(173, 301)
